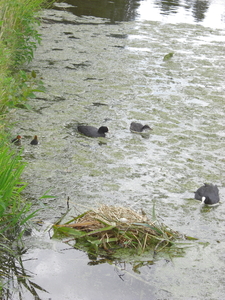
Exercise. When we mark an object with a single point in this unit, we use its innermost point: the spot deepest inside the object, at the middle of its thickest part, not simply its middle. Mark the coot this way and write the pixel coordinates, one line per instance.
(138, 127)
(208, 194)
(34, 141)
(17, 140)
(92, 131)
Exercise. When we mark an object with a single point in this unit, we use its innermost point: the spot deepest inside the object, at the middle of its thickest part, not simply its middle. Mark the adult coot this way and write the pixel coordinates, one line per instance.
(138, 127)
(92, 131)
(208, 194)
(17, 140)
(34, 141)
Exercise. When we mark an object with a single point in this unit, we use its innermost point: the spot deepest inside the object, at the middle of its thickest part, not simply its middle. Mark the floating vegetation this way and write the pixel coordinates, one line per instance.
(168, 56)
(110, 229)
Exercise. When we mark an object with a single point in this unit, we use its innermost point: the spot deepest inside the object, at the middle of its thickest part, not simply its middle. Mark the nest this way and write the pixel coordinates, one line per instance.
(112, 215)
(110, 228)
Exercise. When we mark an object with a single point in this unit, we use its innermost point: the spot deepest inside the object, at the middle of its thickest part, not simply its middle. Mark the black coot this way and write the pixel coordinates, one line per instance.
(208, 194)
(92, 131)
(138, 127)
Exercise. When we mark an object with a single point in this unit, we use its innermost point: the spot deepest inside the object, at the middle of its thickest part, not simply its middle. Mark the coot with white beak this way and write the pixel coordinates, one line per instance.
(208, 194)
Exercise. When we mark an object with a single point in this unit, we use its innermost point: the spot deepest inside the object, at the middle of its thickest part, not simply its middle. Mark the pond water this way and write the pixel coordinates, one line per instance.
(102, 71)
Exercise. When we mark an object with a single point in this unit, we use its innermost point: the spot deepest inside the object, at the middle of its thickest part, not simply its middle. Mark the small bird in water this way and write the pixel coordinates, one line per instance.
(34, 141)
(17, 141)
(138, 127)
(92, 131)
(208, 194)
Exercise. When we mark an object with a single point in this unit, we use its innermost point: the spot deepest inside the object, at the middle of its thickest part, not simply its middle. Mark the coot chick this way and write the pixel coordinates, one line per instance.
(138, 127)
(208, 194)
(92, 131)
(17, 141)
(34, 141)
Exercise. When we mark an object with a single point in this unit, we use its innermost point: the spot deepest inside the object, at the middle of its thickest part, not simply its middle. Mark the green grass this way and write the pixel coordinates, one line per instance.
(12, 207)
(18, 40)
(14, 211)
(18, 29)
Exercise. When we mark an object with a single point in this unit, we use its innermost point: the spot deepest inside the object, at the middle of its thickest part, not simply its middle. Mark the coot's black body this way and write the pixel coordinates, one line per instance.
(92, 131)
(208, 194)
(138, 127)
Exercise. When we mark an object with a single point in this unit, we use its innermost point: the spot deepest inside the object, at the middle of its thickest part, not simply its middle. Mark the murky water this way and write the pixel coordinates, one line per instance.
(101, 73)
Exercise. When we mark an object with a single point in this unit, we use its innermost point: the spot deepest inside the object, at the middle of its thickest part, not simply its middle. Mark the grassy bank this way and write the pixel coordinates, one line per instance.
(18, 40)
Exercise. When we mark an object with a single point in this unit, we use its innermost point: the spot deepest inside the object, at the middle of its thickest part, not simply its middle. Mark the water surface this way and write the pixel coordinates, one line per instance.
(112, 73)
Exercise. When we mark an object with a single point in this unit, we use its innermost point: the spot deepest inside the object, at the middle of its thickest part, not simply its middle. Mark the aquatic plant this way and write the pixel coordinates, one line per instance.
(109, 229)
(13, 271)
(168, 56)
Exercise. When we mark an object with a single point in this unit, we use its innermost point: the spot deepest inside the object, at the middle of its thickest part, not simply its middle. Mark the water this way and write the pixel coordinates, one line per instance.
(207, 13)
(86, 61)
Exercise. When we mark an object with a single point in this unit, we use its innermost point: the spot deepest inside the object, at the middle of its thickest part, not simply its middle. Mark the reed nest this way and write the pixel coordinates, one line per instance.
(110, 228)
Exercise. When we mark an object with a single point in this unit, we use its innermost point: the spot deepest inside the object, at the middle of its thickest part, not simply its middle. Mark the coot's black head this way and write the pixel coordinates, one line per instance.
(146, 127)
(207, 200)
(138, 127)
(103, 129)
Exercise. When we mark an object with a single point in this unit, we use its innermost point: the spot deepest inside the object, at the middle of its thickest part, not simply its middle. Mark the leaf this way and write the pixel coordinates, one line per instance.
(101, 230)
(45, 196)
(69, 231)
(149, 226)
(190, 238)
(79, 233)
